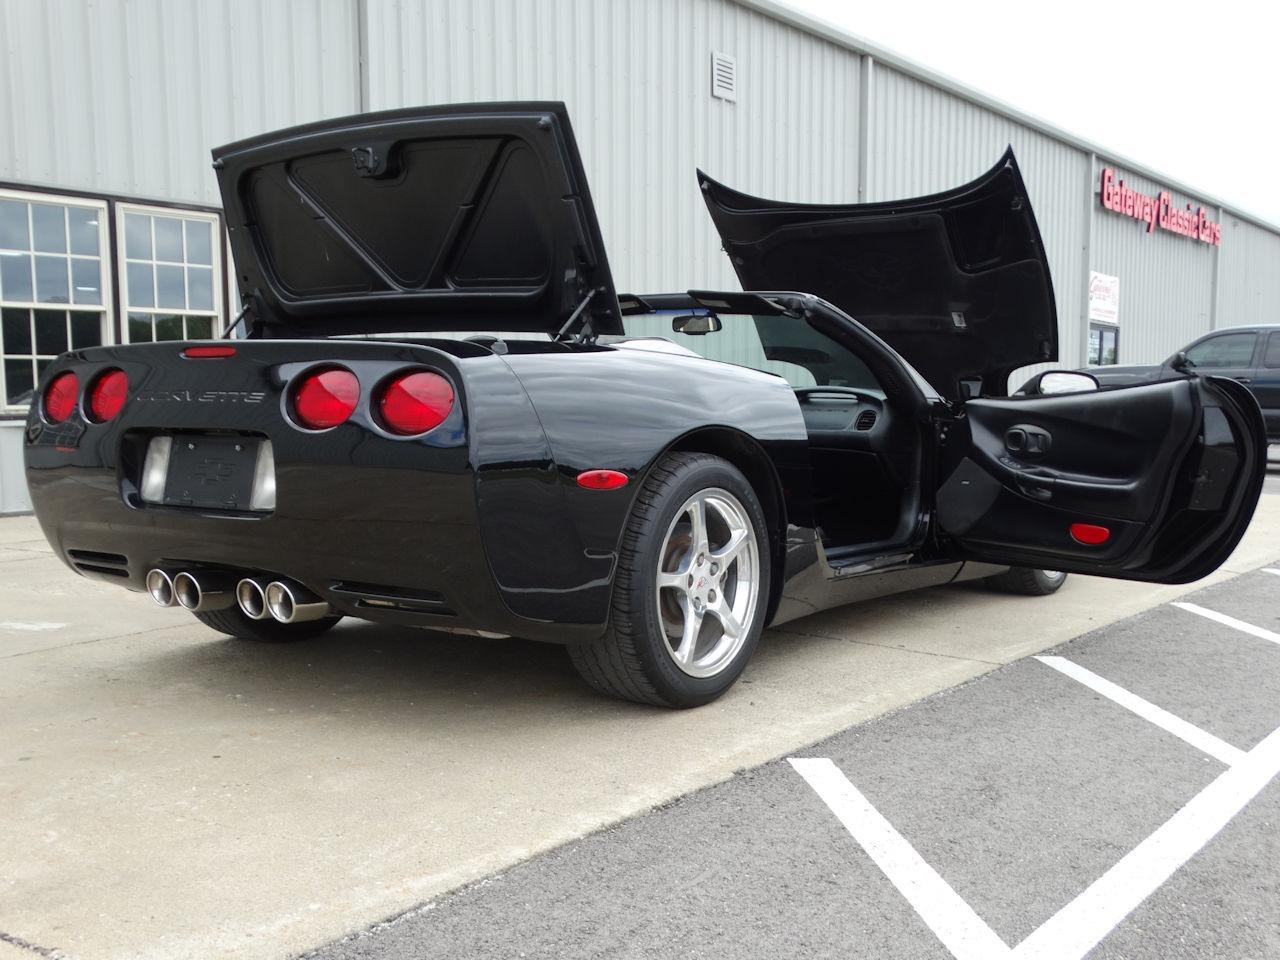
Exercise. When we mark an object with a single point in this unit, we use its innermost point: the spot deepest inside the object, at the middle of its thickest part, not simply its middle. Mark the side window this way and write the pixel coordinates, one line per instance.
(1272, 358)
(1228, 350)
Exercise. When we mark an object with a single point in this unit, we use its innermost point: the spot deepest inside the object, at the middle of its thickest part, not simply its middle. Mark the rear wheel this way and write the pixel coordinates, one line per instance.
(691, 588)
(234, 623)
(1029, 582)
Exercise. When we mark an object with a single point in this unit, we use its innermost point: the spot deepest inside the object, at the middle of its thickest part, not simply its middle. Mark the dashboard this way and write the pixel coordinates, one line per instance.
(842, 416)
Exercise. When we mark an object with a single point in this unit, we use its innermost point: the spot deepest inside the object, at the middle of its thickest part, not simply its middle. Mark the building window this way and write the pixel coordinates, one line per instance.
(170, 265)
(1104, 344)
(52, 294)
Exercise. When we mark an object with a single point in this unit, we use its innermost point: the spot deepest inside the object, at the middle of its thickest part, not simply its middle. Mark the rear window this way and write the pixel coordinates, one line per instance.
(1272, 359)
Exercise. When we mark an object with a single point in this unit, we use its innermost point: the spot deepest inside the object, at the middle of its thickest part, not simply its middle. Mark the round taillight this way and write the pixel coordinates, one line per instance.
(325, 398)
(414, 403)
(60, 397)
(107, 395)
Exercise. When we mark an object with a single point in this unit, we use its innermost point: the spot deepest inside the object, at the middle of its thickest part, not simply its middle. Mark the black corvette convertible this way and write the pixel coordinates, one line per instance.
(443, 415)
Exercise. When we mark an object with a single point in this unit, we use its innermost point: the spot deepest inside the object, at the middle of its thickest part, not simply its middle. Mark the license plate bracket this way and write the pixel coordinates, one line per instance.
(211, 472)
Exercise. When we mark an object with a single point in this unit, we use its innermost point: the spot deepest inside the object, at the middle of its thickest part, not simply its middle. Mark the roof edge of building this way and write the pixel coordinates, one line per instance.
(825, 29)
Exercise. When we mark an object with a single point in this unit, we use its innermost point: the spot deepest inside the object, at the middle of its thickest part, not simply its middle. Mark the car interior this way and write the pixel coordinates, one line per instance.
(865, 454)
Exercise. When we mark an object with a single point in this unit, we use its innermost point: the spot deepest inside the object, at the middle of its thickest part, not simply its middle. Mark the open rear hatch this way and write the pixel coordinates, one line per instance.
(465, 217)
(957, 282)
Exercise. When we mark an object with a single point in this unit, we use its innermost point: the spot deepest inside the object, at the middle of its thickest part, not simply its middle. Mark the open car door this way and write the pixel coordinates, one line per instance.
(1152, 482)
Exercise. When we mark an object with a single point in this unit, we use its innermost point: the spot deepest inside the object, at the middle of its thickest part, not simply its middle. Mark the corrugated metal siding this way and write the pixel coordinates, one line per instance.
(636, 78)
(1249, 274)
(128, 96)
(1166, 280)
(924, 139)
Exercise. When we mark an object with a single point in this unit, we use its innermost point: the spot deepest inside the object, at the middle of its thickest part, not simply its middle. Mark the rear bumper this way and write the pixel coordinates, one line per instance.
(393, 542)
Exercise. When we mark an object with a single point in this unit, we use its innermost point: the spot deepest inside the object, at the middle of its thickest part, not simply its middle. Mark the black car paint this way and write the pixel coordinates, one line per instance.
(1262, 380)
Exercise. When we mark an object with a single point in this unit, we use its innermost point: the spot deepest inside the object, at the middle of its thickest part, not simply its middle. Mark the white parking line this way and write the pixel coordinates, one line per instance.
(1189, 732)
(1232, 622)
(1079, 926)
(947, 913)
(1082, 924)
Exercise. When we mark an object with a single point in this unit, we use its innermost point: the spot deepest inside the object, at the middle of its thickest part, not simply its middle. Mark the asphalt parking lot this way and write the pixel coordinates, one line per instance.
(1044, 807)
(170, 793)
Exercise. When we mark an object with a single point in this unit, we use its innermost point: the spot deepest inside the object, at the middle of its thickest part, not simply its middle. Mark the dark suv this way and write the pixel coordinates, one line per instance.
(1250, 355)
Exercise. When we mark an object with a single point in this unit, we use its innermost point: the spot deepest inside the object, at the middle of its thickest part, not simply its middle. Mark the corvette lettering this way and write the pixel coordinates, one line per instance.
(1158, 211)
(205, 396)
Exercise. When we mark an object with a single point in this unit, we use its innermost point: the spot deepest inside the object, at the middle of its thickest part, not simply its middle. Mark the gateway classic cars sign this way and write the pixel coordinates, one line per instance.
(1158, 211)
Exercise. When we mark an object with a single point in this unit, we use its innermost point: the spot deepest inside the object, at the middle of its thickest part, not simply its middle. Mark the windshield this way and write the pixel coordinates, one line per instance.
(782, 345)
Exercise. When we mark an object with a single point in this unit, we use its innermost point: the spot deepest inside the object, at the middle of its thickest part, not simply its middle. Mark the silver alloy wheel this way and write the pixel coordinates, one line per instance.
(709, 564)
(1054, 576)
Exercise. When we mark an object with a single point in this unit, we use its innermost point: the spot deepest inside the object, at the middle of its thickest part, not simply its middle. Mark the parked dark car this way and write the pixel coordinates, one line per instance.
(444, 416)
(1248, 355)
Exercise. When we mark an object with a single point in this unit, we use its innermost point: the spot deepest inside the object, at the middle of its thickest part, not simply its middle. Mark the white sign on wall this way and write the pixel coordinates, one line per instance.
(1104, 297)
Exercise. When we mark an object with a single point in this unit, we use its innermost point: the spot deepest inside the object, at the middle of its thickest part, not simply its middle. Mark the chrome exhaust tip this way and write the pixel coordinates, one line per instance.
(291, 603)
(202, 591)
(160, 586)
(251, 599)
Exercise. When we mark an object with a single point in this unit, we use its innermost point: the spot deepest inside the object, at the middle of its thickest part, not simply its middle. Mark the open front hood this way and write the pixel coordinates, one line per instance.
(466, 217)
(958, 282)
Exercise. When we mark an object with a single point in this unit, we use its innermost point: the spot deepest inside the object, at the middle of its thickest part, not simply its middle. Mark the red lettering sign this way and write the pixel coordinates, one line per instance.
(1158, 211)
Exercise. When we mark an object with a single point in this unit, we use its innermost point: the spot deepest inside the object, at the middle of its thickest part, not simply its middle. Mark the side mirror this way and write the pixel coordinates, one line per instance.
(1181, 362)
(696, 324)
(1059, 381)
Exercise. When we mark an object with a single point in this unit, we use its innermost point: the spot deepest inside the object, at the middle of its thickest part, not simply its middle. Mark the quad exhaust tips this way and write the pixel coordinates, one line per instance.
(291, 603)
(199, 591)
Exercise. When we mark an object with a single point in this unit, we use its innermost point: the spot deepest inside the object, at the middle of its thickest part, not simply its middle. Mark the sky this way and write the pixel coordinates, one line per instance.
(1191, 90)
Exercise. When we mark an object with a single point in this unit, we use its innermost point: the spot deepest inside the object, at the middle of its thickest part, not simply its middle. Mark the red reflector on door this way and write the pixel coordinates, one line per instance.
(1089, 534)
(602, 479)
(208, 353)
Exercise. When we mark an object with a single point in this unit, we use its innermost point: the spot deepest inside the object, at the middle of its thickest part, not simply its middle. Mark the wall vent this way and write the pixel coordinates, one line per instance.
(724, 77)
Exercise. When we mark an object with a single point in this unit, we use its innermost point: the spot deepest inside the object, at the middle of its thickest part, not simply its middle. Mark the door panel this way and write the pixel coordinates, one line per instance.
(1170, 470)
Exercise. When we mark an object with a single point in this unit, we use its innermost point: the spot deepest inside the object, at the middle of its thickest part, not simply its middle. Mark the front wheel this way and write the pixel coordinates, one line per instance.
(690, 591)
(1029, 582)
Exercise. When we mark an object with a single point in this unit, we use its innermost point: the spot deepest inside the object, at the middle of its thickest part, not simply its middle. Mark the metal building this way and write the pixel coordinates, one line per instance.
(109, 221)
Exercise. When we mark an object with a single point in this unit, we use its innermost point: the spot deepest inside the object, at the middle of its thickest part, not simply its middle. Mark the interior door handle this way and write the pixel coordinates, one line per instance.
(1027, 441)
(1242, 380)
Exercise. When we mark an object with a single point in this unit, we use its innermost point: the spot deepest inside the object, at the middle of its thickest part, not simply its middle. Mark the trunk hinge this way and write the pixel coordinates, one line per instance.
(585, 335)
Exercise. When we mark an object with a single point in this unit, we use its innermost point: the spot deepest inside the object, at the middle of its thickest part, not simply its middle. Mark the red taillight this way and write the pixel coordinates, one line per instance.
(602, 479)
(415, 403)
(107, 395)
(208, 353)
(325, 398)
(1090, 534)
(60, 397)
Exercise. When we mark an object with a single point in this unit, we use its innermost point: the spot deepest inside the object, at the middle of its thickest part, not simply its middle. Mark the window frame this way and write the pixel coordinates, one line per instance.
(217, 266)
(106, 278)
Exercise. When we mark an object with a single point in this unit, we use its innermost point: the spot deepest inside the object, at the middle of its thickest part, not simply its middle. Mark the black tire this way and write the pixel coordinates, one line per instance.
(633, 660)
(1028, 582)
(234, 623)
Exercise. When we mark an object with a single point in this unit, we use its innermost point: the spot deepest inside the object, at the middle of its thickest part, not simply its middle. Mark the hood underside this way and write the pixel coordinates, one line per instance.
(957, 282)
(466, 217)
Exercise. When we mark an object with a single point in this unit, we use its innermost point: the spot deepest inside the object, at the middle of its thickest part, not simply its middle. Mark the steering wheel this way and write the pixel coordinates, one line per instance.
(804, 393)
